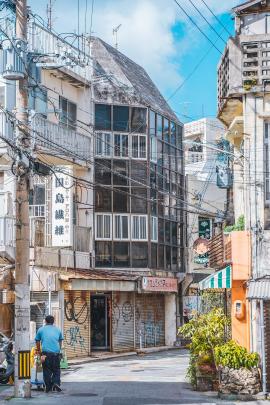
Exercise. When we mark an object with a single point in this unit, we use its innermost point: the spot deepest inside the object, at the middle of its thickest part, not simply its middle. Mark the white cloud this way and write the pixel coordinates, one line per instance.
(146, 33)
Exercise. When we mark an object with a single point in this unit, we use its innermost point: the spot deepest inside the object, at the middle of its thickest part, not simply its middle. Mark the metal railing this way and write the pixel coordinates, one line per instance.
(64, 140)
(195, 157)
(37, 210)
(7, 232)
(7, 129)
(41, 40)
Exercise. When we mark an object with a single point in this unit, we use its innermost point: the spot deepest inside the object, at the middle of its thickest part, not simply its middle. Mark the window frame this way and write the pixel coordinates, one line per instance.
(103, 144)
(121, 135)
(103, 214)
(133, 216)
(154, 221)
(66, 123)
(121, 238)
(139, 147)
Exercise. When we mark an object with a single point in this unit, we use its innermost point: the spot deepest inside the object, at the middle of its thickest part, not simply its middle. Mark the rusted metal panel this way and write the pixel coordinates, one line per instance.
(122, 321)
(150, 320)
(220, 252)
(77, 323)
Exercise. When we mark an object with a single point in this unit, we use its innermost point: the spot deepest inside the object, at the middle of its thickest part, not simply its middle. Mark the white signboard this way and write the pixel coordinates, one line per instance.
(62, 208)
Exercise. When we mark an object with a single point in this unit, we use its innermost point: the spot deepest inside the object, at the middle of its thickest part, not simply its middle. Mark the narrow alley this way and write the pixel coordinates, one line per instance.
(154, 379)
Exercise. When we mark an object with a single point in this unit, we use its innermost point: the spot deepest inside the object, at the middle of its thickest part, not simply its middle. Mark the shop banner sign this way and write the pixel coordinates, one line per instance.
(62, 208)
(159, 284)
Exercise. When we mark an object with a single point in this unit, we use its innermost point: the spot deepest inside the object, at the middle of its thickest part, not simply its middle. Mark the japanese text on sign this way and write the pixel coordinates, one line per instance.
(159, 284)
(62, 208)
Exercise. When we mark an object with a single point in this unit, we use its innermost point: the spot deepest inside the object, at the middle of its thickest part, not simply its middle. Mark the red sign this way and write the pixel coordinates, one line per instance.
(159, 284)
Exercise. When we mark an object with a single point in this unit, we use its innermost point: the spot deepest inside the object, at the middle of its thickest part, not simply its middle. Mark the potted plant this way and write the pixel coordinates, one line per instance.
(238, 370)
(205, 331)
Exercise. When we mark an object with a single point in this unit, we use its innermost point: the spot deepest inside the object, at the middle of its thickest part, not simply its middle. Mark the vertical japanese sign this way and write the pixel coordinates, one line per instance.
(62, 208)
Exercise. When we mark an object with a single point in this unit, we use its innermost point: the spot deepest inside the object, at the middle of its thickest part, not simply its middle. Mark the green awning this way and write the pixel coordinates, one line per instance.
(220, 279)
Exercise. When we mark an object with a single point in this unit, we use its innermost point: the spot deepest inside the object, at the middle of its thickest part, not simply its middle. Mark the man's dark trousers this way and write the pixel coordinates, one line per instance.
(51, 369)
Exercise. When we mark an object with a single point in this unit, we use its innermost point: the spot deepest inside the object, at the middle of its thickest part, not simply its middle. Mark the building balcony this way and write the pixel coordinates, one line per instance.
(233, 249)
(65, 142)
(44, 254)
(194, 157)
(60, 55)
(7, 238)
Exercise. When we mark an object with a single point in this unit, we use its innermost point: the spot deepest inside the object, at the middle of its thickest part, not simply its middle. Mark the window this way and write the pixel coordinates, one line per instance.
(139, 200)
(152, 124)
(139, 146)
(166, 137)
(120, 173)
(139, 229)
(1, 180)
(139, 254)
(138, 120)
(121, 256)
(103, 254)
(103, 174)
(103, 117)
(121, 118)
(120, 145)
(68, 113)
(103, 200)
(159, 126)
(121, 227)
(154, 229)
(103, 226)
(173, 133)
(153, 149)
(103, 144)
(120, 199)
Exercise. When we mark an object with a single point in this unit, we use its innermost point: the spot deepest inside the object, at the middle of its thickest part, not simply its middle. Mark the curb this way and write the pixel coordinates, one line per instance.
(85, 360)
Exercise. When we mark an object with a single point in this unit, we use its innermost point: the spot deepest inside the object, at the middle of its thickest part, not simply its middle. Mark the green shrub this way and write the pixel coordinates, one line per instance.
(235, 356)
(238, 226)
(206, 331)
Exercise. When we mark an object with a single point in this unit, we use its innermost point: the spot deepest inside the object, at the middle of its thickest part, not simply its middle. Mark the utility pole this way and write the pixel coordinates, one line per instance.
(115, 32)
(22, 284)
(49, 14)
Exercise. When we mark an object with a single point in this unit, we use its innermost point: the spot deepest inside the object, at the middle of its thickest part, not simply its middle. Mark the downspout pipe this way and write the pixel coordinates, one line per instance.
(262, 327)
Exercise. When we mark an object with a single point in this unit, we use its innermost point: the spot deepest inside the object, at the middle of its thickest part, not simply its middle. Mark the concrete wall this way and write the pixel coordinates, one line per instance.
(170, 319)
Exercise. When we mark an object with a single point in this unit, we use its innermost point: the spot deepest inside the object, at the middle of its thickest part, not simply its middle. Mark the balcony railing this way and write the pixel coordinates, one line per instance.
(65, 141)
(195, 157)
(43, 41)
(7, 232)
(7, 130)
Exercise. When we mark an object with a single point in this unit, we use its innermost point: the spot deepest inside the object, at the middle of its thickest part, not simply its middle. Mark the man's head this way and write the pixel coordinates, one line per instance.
(49, 320)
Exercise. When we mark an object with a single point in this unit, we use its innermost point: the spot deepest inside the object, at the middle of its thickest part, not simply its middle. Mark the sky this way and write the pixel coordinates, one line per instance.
(159, 36)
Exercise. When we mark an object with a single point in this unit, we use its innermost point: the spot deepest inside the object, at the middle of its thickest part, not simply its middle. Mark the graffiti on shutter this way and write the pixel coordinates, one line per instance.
(123, 321)
(150, 320)
(77, 323)
(267, 342)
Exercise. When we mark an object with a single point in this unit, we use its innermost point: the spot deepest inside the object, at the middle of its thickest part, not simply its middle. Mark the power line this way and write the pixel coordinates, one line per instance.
(208, 23)
(215, 16)
(197, 26)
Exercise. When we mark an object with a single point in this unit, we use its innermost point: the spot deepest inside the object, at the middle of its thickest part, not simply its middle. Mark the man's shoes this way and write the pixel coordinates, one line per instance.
(57, 388)
(47, 389)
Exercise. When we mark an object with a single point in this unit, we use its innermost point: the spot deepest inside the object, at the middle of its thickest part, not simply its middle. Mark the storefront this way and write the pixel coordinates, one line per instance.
(118, 315)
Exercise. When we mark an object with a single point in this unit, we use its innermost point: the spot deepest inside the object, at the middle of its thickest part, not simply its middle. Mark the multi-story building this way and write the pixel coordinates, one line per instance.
(244, 107)
(107, 223)
(206, 202)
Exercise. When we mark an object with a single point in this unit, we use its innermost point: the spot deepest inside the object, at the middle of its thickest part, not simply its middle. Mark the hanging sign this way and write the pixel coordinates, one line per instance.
(62, 208)
(159, 284)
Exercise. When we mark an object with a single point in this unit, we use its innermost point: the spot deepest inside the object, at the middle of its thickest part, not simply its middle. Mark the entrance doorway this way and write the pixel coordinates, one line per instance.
(100, 322)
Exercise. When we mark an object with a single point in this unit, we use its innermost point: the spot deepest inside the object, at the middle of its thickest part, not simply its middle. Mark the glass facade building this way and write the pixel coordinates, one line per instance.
(139, 189)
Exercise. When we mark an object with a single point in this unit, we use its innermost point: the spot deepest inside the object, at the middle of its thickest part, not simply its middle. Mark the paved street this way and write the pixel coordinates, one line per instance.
(138, 380)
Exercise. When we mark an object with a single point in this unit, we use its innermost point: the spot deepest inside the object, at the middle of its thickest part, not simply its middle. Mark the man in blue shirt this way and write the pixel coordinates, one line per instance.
(50, 338)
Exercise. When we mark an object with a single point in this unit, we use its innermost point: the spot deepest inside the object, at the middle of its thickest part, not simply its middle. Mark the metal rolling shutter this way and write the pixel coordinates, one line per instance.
(122, 321)
(150, 320)
(77, 323)
(267, 342)
(39, 307)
